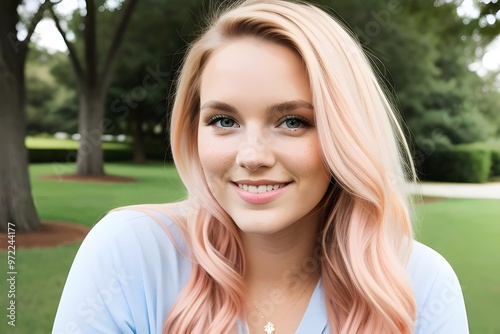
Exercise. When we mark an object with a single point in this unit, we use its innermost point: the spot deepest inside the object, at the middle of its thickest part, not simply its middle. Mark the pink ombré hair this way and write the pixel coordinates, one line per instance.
(366, 232)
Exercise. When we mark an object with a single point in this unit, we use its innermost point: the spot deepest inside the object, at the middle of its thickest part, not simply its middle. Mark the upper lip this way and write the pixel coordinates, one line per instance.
(259, 182)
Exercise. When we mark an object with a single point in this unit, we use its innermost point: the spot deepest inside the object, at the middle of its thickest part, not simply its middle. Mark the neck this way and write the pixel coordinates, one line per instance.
(284, 260)
(280, 275)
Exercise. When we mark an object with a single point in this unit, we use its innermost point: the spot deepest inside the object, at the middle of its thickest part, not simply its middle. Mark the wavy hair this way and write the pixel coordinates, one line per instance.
(366, 231)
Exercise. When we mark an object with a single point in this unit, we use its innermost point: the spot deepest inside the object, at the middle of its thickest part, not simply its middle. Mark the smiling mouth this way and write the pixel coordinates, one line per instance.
(261, 189)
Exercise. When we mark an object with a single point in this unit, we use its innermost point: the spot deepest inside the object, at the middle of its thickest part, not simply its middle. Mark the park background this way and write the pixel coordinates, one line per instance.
(99, 110)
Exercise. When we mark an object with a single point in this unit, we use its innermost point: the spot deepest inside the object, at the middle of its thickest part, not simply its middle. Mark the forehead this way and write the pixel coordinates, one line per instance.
(252, 69)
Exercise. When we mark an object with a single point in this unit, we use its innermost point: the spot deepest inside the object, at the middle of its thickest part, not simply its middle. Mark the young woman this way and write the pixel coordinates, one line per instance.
(296, 219)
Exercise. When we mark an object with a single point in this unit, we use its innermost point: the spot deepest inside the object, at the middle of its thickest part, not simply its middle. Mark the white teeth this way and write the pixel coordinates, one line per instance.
(253, 189)
(260, 189)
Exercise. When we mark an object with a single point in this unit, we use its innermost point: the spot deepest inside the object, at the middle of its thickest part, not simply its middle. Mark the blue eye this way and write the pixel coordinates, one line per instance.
(222, 121)
(226, 122)
(293, 122)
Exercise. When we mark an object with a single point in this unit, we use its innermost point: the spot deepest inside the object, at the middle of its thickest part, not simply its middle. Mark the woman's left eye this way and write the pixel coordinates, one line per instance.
(293, 122)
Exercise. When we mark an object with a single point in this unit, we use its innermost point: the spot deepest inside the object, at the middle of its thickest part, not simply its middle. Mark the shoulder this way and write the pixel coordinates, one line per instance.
(144, 239)
(425, 263)
(428, 269)
(126, 226)
(133, 263)
(125, 219)
(438, 293)
(141, 228)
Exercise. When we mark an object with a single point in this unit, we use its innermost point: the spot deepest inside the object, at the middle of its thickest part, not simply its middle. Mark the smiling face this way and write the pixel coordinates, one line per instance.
(257, 141)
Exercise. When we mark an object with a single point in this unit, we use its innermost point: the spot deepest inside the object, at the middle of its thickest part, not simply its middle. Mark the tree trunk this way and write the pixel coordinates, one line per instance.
(16, 203)
(93, 85)
(90, 160)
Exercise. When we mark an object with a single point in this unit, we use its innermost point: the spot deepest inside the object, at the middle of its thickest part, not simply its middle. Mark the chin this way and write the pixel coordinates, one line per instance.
(264, 230)
(255, 226)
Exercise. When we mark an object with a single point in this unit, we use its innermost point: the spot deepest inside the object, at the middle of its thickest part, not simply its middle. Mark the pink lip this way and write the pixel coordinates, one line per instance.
(259, 198)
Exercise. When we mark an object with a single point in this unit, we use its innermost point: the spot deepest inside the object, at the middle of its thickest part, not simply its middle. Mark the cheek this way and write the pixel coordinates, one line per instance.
(206, 149)
(308, 166)
(215, 158)
(306, 159)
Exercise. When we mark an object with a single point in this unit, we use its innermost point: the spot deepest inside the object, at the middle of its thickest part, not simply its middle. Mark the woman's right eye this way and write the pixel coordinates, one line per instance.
(222, 121)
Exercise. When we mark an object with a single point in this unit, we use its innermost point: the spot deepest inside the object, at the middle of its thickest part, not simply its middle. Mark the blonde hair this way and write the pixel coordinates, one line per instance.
(366, 233)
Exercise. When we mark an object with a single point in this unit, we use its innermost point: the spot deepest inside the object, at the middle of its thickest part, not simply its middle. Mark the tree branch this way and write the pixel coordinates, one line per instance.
(90, 43)
(71, 49)
(109, 64)
(46, 4)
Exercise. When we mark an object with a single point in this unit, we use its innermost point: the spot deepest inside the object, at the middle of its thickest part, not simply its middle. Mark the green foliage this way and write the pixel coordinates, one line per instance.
(494, 148)
(466, 127)
(149, 59)
(421, 50)
(457, 164)
(488, 23)
(51, 107)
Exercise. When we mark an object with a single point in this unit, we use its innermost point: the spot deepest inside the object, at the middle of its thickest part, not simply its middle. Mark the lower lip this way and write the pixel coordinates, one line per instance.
(262, 198)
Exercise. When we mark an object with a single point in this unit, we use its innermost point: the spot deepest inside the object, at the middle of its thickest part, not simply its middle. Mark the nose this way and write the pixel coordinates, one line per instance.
(255, 152)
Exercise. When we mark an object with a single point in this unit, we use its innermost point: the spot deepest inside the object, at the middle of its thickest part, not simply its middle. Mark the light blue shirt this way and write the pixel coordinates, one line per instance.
(128, 273)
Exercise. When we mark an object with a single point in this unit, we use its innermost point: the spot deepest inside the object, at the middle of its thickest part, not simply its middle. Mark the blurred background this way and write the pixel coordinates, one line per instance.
(86, 88)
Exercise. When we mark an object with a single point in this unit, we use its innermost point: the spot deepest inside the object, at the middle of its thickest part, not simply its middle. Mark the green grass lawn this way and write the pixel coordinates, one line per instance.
(466, 232)
(68, 144)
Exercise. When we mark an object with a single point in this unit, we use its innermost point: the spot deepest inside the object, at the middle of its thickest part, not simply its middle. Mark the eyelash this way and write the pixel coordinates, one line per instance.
(217, 118)
(303, 121)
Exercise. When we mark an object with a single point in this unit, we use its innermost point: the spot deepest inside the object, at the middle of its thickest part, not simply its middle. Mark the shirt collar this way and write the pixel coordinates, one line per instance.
(315, 319)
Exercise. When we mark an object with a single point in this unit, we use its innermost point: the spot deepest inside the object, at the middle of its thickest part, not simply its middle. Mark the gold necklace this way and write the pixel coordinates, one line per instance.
(270, 327)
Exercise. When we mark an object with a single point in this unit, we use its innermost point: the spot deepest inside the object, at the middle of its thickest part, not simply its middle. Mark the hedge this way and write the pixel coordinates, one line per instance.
(58, 155)
(458, 164)
(494, 147)
(155, 149)
(495, 162)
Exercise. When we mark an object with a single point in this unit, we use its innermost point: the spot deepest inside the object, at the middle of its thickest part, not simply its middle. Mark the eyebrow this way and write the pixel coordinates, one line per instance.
(279, 108)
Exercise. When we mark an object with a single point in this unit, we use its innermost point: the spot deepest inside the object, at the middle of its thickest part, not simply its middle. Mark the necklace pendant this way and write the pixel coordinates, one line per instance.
(269, 328)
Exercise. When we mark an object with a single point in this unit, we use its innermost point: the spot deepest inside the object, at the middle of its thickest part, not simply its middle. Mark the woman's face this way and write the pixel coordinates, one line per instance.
(257, 141)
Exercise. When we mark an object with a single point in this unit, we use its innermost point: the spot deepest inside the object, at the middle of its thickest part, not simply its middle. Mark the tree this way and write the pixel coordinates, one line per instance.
(93, 81)
(422, 51)
(16, 202)
(136, 99)
(488, 22)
